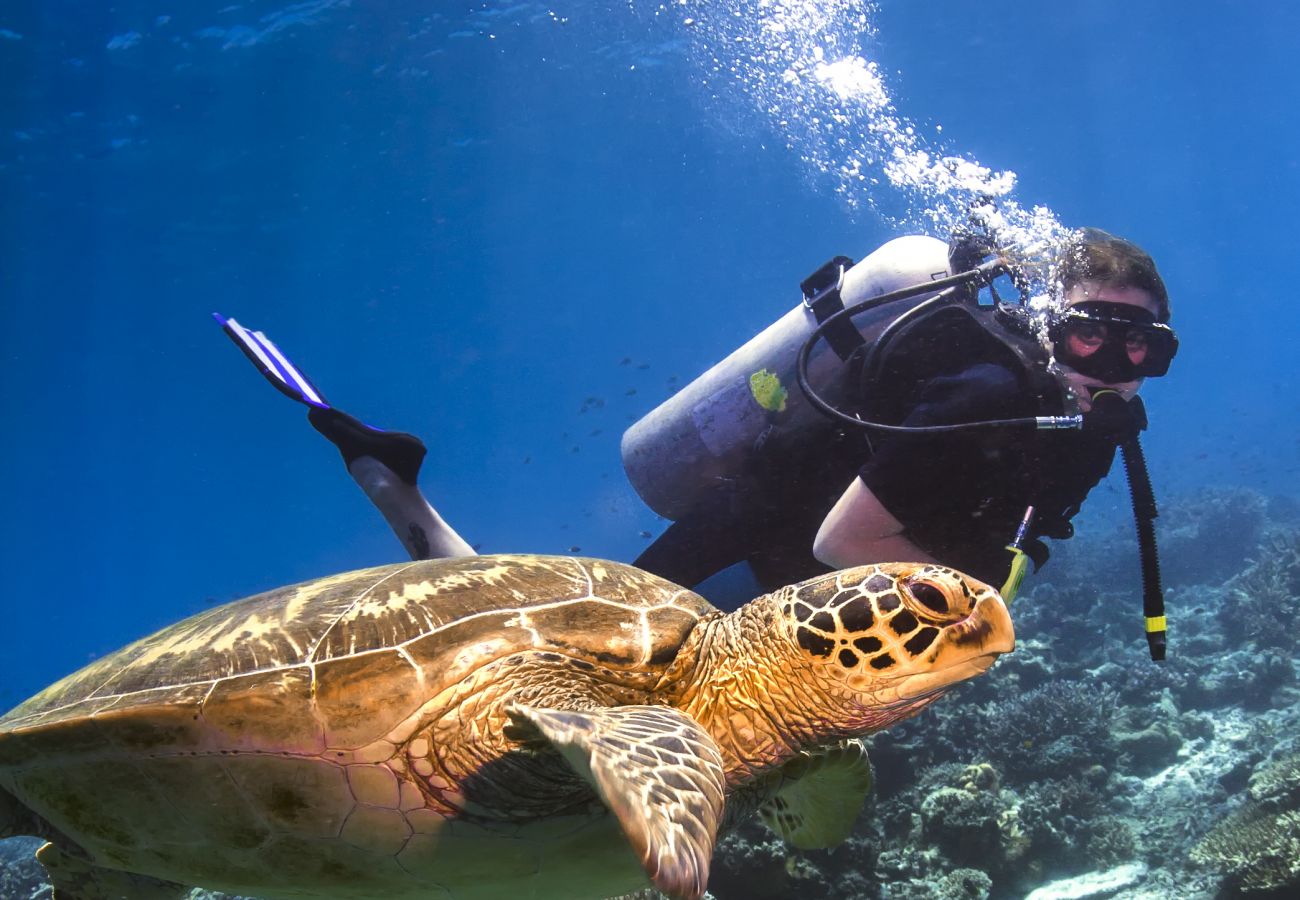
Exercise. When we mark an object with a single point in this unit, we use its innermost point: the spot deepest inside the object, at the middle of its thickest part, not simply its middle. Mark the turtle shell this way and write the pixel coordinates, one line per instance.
(195, 738)
(430, 621)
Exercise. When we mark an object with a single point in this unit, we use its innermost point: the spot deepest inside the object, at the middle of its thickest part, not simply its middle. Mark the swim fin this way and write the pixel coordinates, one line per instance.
(262, 352)
(402, 453)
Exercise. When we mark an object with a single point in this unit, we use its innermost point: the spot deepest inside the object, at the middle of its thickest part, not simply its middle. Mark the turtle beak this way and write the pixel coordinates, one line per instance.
(987, 629)
(967, 647)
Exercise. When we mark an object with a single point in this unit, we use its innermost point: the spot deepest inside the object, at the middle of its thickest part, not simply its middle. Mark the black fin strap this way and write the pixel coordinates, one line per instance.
(1144, 515)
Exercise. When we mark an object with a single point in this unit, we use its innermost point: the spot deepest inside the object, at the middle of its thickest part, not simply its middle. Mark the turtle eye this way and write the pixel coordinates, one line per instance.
(929, 596)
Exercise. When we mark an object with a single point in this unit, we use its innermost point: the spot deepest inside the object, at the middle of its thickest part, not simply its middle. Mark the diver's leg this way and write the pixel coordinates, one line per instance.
(700, 544)
(424, 533)
(385, 464)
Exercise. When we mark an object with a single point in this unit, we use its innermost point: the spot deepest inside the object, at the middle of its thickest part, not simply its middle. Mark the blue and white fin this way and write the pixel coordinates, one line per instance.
(273, 364)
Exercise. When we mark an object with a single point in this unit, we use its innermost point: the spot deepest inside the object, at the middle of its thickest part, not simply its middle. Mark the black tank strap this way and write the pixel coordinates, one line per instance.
(821, 294)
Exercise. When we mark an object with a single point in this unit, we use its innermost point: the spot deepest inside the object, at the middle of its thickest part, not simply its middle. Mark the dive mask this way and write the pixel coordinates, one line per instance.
(1113, 342)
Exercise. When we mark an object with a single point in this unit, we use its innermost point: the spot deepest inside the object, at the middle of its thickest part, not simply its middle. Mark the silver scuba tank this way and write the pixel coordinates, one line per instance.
(701, 436)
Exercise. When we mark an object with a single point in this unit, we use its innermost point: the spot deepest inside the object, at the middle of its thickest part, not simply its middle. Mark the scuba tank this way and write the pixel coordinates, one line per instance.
(702, 436)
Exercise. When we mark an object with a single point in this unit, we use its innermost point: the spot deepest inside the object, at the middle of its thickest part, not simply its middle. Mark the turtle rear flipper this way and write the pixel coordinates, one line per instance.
(661, 775)
(821, 798)
(77, 879)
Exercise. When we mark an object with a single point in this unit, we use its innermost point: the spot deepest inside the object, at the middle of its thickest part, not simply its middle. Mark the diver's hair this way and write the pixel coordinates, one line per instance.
(1096, 255)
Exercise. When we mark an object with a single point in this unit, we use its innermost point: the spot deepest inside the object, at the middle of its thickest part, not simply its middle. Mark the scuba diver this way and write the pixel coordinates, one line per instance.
(929, 423)
(917, 490)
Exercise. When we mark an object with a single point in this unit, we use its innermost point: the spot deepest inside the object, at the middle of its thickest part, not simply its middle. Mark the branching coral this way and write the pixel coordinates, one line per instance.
(1109, 841)
(1261, 594)
(1277, 782)
(1047, 732)
(1259, 848)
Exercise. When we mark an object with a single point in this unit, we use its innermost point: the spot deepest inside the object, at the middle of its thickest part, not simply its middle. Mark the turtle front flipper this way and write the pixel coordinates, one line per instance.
(661, 775)
(77, 879)
(821, 796)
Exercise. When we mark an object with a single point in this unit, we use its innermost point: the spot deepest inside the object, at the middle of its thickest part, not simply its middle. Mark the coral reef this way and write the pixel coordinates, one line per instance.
(21, 876)
(1258, 846)
(1059, 729)
(1209, 534)
(1259, 849)
(1253, 597)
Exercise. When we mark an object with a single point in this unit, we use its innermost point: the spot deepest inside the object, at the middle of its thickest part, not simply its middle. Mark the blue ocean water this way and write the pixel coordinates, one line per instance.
(513, 228)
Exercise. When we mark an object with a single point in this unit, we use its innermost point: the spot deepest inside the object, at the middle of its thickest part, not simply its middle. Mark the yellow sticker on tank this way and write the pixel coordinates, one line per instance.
(767, 390)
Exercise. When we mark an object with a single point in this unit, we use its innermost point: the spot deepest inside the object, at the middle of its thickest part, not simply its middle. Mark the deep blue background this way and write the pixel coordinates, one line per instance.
(462, 223)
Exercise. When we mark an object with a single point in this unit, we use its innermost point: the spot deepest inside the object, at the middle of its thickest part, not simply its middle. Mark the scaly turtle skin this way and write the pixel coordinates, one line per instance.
(477, 728)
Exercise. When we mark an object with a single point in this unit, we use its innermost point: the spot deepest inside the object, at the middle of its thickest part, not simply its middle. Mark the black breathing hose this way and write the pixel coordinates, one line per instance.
(1144, 516)
(948, 288)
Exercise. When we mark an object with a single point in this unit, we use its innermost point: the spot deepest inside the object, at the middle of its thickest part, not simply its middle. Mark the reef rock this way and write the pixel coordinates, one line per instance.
(1093, 884)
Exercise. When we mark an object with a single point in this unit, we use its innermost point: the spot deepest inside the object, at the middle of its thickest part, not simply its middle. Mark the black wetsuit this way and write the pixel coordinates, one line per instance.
(959, 495)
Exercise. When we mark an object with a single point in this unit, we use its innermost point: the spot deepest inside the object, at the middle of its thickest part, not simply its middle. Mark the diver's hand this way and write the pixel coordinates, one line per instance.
(1114, 418)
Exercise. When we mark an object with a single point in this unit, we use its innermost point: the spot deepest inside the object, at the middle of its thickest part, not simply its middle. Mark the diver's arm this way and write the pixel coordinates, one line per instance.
(424, 533)
(863, 526)
(859, 530)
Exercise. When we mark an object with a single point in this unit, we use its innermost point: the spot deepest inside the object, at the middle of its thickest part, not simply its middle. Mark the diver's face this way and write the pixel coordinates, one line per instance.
(1082, 343)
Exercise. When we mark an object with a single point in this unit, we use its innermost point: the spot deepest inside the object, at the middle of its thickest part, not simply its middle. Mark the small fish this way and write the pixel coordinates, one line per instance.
(629, 392)
(575, 549)
(644, 366)
(643, 534)
(625, 361)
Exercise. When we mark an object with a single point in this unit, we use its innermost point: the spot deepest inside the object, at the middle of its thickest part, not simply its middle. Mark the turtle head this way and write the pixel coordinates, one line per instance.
(886, 639)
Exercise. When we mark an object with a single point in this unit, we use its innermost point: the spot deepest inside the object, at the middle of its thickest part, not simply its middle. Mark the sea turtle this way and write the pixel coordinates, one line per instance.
(521, 726)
